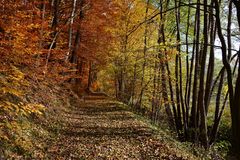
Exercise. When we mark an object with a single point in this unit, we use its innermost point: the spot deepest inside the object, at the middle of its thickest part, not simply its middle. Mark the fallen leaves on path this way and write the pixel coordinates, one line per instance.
(101, 129)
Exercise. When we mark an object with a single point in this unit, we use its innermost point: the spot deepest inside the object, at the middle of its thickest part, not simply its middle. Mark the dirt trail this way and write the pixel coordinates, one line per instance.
(100, 129)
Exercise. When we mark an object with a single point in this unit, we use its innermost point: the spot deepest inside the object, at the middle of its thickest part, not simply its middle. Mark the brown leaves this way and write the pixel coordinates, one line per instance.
(100, 129)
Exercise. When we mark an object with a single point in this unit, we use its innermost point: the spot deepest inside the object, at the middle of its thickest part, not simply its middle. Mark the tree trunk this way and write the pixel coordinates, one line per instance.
(70, 30)
(89, 76)
(201, 105)
(177, 58)
(144, 56)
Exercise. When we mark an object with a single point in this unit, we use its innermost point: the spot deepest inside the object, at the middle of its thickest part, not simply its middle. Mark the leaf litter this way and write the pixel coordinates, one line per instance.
(101, 129)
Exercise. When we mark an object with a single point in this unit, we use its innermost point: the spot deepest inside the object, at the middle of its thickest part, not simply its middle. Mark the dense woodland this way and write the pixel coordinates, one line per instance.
(175, 62)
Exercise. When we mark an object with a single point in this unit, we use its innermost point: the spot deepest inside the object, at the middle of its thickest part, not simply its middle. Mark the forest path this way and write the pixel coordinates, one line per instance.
(100, 129)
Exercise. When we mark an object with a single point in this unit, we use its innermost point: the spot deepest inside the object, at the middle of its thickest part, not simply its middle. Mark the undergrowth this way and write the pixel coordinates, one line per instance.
(219, 150)
(29, 114)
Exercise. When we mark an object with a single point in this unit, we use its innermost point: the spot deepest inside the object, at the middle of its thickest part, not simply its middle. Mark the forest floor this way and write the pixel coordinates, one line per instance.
(101, 128)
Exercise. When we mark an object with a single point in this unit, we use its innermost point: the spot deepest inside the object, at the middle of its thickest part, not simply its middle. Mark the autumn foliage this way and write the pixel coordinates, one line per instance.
(37, 47)
(159, 57)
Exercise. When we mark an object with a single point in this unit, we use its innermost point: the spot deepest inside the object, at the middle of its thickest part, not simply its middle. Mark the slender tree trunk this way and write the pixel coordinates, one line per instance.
(177, 123)
(178, 96)
(209, 79)
(71, 29)
(41, 31)
(217, 109)
(144, 55)
(54, 35)
(74, 58)
(154, 90)
(134, 82)
(194, 118)
(201, 104)
(236, 104)
(89, 76)
(162, 61)
(188, 79)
